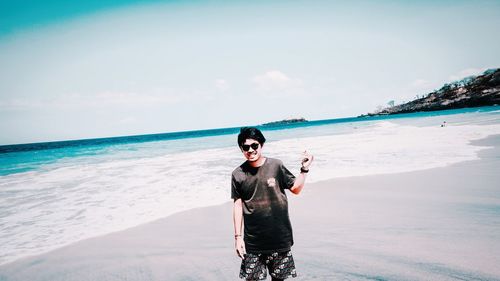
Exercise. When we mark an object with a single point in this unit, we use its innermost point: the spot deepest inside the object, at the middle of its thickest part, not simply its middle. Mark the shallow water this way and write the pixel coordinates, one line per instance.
(80, 192)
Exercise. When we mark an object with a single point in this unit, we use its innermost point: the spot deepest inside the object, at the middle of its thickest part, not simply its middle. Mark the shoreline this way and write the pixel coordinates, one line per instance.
(81, 198)
(479, 149)
(197, 244)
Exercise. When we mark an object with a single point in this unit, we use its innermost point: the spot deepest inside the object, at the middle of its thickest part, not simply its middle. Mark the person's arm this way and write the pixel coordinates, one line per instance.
(301, 179)
(299, 184)
(238, 228)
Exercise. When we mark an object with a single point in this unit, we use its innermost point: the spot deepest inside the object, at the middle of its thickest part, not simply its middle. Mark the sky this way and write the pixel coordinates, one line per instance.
(112, 68)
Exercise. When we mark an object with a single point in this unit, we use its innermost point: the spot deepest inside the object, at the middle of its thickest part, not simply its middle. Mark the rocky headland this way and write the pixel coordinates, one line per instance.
(473, 91)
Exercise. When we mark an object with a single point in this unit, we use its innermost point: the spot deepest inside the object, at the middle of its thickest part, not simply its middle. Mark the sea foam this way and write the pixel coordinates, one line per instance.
(61, 204)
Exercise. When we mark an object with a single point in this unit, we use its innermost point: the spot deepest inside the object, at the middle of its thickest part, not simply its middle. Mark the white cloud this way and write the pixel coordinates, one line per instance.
(221, 84)
(128, 121)
(103, 99)
(275, 82)
(466, 73)
(421, 84)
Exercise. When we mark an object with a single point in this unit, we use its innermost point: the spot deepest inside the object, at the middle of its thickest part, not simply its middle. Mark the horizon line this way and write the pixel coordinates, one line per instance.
(261, 126)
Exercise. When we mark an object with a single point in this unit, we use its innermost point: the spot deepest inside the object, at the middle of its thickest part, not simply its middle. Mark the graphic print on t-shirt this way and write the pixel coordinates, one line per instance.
(271, 182)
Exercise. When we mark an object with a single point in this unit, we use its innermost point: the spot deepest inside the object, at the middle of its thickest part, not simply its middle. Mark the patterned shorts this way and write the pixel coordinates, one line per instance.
(280, 265)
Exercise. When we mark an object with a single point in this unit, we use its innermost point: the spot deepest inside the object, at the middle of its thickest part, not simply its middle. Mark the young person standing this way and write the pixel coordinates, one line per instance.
(261, 206)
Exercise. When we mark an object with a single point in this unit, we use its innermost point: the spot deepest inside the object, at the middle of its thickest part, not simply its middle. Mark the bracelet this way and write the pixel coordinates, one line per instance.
(303, 170)
(237, 235)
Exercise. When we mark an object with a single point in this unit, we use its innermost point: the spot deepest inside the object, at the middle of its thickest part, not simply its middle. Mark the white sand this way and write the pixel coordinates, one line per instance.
(437, 224)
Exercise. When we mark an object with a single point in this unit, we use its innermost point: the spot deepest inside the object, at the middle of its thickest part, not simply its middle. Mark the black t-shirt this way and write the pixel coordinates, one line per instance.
(267, 227)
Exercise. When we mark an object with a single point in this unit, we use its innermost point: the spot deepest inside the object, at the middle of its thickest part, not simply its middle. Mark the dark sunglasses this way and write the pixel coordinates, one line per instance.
(254, 146)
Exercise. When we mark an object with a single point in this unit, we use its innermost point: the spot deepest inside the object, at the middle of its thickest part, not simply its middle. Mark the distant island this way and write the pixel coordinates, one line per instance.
(472, 91)
(285, 121)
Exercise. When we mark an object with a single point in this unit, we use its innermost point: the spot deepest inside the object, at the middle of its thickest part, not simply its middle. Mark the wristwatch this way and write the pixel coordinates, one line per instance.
(304, 170)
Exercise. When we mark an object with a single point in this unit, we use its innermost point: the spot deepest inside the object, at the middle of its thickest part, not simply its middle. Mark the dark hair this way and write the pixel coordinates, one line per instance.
(250, 133)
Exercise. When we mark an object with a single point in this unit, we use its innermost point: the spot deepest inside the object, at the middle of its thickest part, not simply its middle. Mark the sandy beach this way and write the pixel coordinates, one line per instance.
(122, 125)
(435, 224)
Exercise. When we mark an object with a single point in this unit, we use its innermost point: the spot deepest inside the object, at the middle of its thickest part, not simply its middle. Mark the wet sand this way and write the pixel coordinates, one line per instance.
(437, 224)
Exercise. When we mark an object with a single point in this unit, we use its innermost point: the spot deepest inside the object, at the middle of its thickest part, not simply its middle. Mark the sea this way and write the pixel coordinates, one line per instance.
(56, 193)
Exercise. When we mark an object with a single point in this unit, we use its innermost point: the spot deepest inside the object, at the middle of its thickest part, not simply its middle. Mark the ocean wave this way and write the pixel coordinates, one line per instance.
(50, 207)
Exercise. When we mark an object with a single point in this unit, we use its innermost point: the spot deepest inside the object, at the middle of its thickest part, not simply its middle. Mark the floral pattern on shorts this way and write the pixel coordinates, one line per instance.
(279, 264)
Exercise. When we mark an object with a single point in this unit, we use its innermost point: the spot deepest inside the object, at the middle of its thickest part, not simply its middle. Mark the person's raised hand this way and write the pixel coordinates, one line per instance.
(306, 160)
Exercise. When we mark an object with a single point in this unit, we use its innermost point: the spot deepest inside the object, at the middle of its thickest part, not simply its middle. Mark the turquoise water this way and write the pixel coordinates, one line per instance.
(28, 157)
(54, 194)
